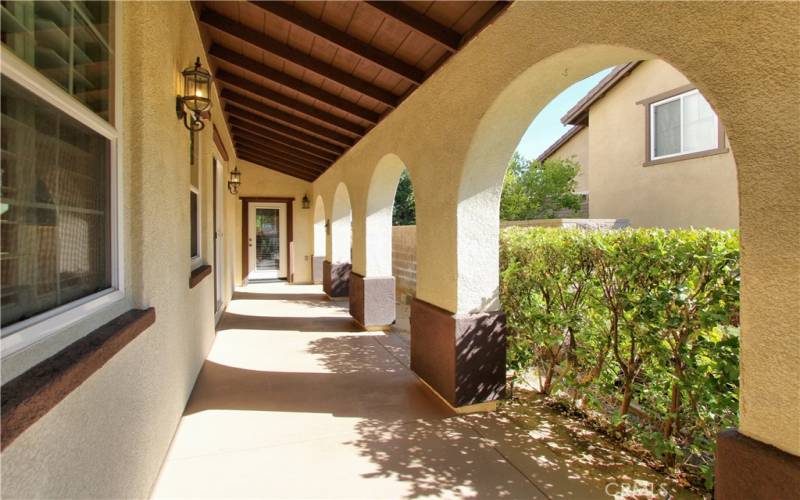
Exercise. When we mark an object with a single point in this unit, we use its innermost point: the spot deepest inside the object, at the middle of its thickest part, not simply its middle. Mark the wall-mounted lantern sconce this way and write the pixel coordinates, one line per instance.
(235, 181)
(327, 226)
(195, 98)
(306, 201)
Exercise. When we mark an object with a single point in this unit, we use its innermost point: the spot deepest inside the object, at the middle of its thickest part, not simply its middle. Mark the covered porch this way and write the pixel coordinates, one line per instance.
(175, 373)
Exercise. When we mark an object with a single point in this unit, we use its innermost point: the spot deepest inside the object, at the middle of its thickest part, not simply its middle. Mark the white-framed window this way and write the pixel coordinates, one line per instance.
(681, 125)
(60, 202)
(195, 201)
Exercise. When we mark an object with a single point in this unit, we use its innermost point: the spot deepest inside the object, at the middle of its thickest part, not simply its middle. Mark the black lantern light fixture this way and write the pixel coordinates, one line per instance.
(306, 201)
(196, 97)
(235, 181)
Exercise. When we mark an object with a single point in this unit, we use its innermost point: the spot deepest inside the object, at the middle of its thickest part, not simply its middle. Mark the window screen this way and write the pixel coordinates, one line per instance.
(55, 243)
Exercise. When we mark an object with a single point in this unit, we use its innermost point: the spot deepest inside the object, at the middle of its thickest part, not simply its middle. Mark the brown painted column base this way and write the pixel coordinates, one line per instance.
(316, 268)
(461, 356)
(746, 468)
(336, 279)
(372, 301)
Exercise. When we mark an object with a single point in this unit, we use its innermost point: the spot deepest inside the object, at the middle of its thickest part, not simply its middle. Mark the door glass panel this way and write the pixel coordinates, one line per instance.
(267, 240)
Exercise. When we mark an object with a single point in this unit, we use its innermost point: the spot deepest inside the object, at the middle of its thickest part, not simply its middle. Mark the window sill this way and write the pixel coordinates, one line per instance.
(689, 156)
(27, 398)
(27, 332)
(198, 275)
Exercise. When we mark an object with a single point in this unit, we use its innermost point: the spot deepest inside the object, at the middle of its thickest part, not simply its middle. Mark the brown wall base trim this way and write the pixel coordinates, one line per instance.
(198, 274)
(747, 468)
(461, 356)
(30, 396)
(336, 279)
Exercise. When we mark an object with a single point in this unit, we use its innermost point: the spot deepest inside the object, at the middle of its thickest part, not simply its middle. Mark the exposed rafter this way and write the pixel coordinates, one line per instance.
(343, 40)
(279, 148)
(286, 118)
(275, 164)
(243, 139)
(242, 145)
(254, 157)
(300, 85)
(297, 57)
(231, 57)
(442, 35)
(268, 134)
(288, 132)
(240, 83)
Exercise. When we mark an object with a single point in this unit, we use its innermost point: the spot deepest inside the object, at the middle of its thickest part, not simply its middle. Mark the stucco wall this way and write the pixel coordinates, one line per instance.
(700, 192)
(262, 182)
(457, 132)
(107, 439)
(577, 148)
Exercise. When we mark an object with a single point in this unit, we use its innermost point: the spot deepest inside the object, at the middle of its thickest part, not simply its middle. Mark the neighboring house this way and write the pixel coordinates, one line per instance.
(651, 151)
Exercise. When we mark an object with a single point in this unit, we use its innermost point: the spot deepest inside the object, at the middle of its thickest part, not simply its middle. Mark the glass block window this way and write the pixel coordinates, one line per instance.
(55, 206)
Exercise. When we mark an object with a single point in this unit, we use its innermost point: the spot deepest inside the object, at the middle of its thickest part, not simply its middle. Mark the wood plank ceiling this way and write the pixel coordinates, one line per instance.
(302, 82)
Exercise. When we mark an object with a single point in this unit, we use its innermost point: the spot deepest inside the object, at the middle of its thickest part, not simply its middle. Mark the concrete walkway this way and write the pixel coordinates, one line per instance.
(295, 402)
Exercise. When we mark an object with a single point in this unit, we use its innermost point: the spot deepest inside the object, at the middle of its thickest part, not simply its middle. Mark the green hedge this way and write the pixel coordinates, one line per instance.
(638, 326)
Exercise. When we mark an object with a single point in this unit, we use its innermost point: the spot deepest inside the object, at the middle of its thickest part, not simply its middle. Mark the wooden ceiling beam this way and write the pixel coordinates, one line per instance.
(284, 141)
(228, 56)
(242, 145)
(447, 38)
(274, 162)
(278, 151)
(255, 157)
(342, 40)
(294, 56)
(293, 136)
(487, 18)
(275, 114)
(280, 148)
(240, 83)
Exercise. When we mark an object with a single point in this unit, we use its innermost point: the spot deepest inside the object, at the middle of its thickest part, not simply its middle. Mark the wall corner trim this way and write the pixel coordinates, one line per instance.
(30, 396)
(198, 275)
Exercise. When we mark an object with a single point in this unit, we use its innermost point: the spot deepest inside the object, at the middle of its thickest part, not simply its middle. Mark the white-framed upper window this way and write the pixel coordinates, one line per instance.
(682, 124)
(60, 202)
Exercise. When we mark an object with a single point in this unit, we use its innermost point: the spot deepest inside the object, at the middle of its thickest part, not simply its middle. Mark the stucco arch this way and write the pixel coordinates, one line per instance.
(380, 202)
(341, 225)
(492, 145)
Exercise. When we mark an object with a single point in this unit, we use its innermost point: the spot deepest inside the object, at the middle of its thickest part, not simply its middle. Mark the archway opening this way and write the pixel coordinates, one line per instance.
(336, 272)
(341, 226)
(404, 253)
(641, 148)
(319, 240)
(391, 250)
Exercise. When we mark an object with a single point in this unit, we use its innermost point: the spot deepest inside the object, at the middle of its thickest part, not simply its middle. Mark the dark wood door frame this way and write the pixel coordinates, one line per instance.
(246, 228)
